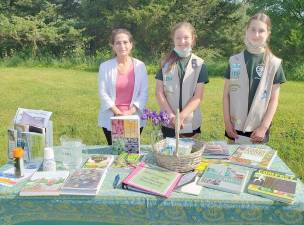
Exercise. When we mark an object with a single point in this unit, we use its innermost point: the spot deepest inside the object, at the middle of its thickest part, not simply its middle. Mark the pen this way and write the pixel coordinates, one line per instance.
(116, 180)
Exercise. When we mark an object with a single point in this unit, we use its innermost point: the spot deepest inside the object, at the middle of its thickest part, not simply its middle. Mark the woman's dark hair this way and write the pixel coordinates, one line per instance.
(115, 32)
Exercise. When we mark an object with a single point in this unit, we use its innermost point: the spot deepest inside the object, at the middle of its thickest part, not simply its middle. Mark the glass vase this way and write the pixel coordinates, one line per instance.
(155, 136)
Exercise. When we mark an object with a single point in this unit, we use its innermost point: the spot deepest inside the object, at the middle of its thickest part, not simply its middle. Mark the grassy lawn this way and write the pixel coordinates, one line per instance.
(72, 97)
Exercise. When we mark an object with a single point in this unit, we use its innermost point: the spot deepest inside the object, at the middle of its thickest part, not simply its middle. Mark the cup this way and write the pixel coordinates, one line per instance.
(71, 152)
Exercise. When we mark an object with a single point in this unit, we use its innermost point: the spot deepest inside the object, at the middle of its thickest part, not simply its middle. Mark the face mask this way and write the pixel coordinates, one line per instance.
(254, 48)
(184, 52)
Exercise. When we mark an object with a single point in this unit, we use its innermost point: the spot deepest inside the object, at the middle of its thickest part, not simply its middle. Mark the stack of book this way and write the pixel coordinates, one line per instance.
(216, 150)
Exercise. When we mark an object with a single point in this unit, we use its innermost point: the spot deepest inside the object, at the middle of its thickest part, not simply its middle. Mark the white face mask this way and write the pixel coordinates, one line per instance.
(184, 52)
(254, 48)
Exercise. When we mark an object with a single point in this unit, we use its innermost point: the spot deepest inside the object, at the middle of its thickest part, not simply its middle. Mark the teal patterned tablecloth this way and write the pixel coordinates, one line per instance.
(117, 206)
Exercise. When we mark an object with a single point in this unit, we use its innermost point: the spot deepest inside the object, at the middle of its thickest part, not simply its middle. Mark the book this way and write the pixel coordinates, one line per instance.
(151, 180)
(84, 182)
(126, 134)
(125, 160)
(44, 183)
(216, 149)
(273, 185)
(8, 178)
(224, 178)
(256, 156)
(202, 166)
(98, 162)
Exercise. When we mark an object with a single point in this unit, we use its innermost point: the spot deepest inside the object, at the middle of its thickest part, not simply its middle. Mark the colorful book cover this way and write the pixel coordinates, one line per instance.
(216, 148)
(152, 180)
(98, 162)
(126, 134)
(256, 156)
(84, 182)
(44, 183)
(274, 185)
(126, 160)
(224, 178)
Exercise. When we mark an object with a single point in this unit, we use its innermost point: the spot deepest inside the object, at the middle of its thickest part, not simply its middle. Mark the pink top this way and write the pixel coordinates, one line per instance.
(124, 89)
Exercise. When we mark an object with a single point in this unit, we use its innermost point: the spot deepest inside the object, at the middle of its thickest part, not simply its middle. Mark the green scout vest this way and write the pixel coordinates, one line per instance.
(245, 120)
(172, 90)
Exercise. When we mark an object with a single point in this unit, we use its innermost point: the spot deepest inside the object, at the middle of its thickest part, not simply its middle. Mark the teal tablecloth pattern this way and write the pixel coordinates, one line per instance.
(121, 207)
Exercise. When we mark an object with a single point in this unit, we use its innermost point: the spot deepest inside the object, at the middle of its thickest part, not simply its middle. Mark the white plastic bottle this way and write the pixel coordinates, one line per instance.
(49, 163)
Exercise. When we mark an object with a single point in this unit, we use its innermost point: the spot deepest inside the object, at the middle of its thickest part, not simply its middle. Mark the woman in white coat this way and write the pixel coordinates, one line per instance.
(123, 83)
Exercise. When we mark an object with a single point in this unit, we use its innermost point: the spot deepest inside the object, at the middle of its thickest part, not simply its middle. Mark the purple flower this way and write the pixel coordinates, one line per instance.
(157, 119)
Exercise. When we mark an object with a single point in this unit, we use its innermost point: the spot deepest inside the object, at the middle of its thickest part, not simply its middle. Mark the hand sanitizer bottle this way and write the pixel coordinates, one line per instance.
(49, 163)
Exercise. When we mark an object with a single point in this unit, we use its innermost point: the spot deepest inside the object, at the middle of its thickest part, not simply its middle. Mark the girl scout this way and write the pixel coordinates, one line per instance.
(180, 82)
(252, 85)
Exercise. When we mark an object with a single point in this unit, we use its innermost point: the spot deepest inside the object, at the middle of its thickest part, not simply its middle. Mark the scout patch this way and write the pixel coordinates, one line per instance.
(264, 95)
(194, 63)
(234, 87)
(235, 71)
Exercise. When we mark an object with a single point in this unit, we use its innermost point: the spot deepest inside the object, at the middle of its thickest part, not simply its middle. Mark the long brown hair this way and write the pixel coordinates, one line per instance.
(172, 57)
(265, 19)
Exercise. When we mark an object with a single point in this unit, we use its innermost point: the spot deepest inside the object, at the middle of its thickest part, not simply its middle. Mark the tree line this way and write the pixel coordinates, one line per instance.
(79, 28)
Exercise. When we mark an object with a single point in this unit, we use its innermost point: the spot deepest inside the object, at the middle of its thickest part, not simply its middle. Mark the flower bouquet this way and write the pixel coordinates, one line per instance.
(157, 120)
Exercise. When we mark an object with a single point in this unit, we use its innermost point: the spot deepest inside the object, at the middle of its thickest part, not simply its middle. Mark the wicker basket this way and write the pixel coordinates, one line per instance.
(178, 163)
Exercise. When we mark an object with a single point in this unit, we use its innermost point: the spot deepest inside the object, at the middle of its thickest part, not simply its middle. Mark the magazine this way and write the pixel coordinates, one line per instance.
(126, 134)
(151, 180)
(45, 183)
(224, 178)
(273, 185)
(256, 156)
(84, 182)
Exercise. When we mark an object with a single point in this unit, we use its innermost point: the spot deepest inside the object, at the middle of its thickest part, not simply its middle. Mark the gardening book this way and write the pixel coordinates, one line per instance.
(84, 182)
(126, 134)
(45, 183)
(274, 185)
(98, 162)
(224, 178)
(151, 180)
(126, 160)
(216, 149)
(256, 156)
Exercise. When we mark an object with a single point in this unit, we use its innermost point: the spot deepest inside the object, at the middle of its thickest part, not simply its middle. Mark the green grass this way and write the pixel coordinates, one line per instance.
(72, 96)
